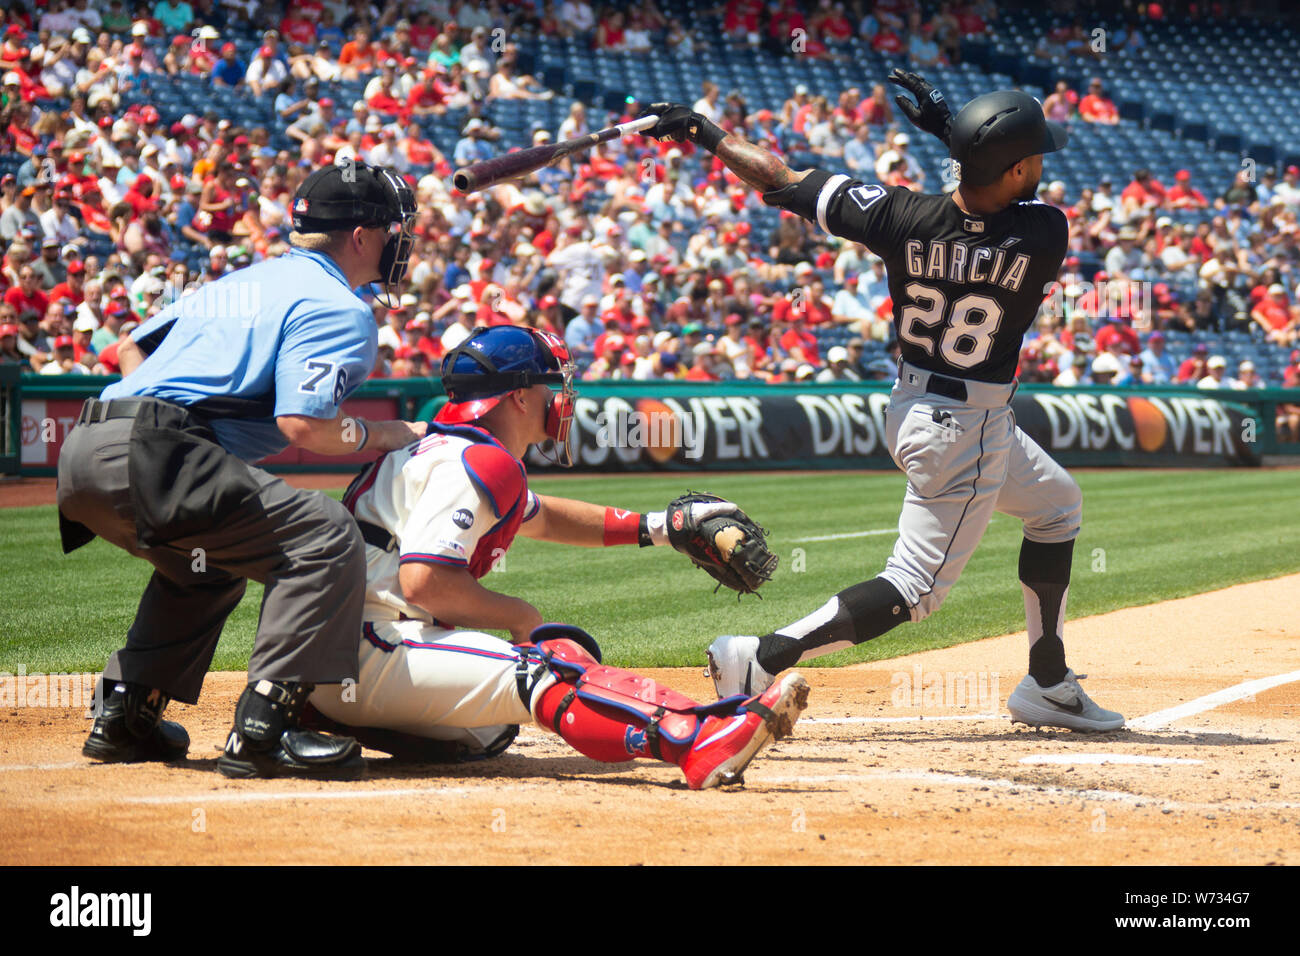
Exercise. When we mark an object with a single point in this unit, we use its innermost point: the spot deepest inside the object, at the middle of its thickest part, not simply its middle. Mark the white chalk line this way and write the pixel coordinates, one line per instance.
(1001, 783)
(845, 534)
(255, 796)
(900, 720)
(1163, 718)
(1142, 760)
(47, 766)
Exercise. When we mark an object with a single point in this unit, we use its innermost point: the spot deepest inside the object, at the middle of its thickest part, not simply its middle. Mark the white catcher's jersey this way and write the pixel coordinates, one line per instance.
(455, 498)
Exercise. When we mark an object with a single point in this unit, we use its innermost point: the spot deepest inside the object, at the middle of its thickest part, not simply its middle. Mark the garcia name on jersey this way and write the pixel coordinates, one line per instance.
(965, 288)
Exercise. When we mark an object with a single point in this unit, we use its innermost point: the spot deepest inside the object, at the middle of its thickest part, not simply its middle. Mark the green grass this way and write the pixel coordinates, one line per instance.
(1147, 536)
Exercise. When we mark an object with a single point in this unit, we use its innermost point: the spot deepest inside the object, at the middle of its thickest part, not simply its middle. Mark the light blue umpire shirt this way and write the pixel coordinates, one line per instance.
(287, 336)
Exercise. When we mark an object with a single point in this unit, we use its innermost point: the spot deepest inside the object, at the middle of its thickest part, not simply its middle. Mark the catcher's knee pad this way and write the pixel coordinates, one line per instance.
(611, 714)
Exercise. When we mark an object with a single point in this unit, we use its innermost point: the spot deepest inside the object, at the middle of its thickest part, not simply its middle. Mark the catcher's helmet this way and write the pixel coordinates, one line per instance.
(493, 362)
(995, 131)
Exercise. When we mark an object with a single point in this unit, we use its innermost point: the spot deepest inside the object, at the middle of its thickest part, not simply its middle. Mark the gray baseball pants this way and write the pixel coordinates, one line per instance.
(209, 521)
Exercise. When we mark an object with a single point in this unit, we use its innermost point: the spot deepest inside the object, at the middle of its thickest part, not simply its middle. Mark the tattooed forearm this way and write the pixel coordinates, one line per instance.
(759, 168)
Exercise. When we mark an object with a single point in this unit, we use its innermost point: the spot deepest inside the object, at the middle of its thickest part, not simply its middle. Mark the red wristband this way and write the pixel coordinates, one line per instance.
(621, 527)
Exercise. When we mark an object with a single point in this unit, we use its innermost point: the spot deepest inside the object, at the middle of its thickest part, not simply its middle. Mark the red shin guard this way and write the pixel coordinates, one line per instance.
(613, 715)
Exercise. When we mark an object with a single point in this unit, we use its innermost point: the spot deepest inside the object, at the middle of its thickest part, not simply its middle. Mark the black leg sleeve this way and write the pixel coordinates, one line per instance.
(856, 614)
(1045, 570)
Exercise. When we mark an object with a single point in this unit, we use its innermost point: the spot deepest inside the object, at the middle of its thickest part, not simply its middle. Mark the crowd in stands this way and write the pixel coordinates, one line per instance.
(651, 259)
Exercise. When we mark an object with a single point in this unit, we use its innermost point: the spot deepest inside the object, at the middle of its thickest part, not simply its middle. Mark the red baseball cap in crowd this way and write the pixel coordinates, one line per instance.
(63, 342)
(1182, 175)
(115, 308)
(227, 48)
(266, 51)
(404, 352)
(642, 322)
(548, 302)
(76, 267)
(180, 41)
(9, 329)
(149, 115)
(733, 319)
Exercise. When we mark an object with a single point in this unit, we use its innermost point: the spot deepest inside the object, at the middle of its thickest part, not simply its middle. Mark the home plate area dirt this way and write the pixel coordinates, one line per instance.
(911, 760)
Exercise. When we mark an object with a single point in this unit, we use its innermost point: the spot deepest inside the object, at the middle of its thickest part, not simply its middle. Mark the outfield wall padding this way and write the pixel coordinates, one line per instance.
(686, 426)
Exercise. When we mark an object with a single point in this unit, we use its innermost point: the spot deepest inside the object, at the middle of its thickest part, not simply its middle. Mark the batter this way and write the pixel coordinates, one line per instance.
(967, 273)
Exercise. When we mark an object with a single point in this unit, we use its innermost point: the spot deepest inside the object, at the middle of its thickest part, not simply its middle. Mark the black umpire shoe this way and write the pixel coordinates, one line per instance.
(268, 741)
(129, 729)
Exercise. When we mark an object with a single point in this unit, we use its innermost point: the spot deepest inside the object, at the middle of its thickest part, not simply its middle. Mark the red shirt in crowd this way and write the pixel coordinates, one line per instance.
(1182, 196)
(1112, 331)
(1275, 313)
(800, 344)
(37, 302)
(1093, 107)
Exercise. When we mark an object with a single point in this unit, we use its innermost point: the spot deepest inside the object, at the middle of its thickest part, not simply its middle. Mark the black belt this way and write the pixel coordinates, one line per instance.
(953, 388)
(94, 411)
(375, 535)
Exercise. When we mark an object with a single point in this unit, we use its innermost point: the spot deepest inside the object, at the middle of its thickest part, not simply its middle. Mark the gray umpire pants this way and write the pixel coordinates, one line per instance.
(303, 546)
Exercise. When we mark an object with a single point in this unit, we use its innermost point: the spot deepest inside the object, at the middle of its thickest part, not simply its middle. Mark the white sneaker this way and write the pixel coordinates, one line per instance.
(734, 667)
(1061, 705)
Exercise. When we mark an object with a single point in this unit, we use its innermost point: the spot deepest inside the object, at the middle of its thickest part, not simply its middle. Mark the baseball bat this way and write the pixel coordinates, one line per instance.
(478, 176)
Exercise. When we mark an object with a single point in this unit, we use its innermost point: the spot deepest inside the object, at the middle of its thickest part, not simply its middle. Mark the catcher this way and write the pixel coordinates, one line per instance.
(438, 514)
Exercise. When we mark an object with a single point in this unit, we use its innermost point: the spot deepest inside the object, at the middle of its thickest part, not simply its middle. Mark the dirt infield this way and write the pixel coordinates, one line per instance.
(905, 761)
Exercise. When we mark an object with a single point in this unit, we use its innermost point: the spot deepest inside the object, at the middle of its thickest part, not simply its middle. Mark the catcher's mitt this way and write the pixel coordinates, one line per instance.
(729, 545)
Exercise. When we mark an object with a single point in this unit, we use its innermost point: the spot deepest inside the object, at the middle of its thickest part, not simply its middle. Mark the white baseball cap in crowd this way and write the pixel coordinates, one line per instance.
(85, 324)
(1246, 366)
(461, 291)
(139, 29)
(837, 354)
(590, 300)
(902, 139)
(1056, 186)
(207, 32)
(1217, 361)
(81, 35)
(804, 371)
(1277, 289)
(1105, 363)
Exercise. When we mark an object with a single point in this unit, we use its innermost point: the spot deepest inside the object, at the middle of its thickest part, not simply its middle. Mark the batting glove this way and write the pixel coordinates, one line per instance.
(932, 114)
(680, 124)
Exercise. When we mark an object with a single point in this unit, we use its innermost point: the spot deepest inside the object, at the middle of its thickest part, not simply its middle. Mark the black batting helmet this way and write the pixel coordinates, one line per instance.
(995, 131)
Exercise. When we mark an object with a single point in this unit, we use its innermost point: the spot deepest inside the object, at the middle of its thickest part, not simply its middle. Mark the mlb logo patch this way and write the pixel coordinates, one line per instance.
(973, 225)
(300, 206)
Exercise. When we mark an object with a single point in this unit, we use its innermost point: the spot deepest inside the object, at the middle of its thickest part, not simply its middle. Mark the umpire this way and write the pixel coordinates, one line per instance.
(160, 466)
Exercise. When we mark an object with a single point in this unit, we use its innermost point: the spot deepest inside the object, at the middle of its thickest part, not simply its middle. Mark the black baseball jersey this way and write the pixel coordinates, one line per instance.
(965, 288)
